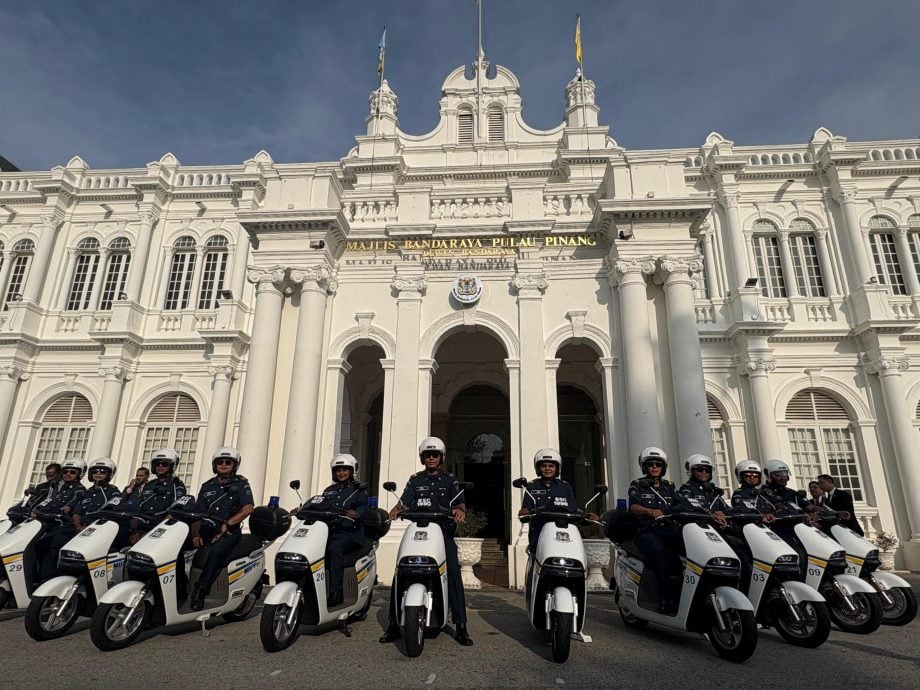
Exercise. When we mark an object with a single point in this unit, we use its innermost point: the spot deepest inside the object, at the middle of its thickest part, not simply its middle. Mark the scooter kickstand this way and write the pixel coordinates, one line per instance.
(582, 637)
(203, 619)
(343, 626)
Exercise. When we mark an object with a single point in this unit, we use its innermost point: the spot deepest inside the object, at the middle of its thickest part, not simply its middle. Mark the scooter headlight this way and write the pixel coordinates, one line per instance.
(71, 562)
(417, 560)
(561, 562)
(788, 559)
(723, 567)
(292, 557)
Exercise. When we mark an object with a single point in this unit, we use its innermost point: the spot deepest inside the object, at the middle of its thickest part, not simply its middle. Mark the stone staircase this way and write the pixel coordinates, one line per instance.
(493, 567)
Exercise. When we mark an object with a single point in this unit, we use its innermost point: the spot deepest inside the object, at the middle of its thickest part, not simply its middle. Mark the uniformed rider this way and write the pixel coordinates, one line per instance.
(161, 491)
(699, 488)
(746, 496)
(430, 489)
(650, 497)
(60, 528)
(546, 492)
(100, 473)
(347, 534)
(226, 500)
(784, 499)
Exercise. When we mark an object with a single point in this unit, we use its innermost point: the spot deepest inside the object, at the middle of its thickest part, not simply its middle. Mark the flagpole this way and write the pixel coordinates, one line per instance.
(380, 69)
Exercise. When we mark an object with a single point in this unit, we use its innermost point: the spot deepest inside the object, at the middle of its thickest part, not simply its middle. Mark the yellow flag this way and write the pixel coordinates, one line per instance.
(578, 38)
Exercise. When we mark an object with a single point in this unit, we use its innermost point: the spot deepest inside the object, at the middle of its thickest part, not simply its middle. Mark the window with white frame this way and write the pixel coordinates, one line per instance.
(822, 441)
(64, 433)
(767, 258)
(116, 272)
(465, 126)
(84, 275)
(913, 225)
(214, 273)
(804, 249)
(181, 274)
(496, 121)
(22, 254)
(885, 254)
(174, 422)
(721, 451)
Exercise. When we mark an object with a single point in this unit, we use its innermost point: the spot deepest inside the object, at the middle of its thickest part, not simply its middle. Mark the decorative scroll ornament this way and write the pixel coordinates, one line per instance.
(117, 373)
(261, 276)
(409, 284)
(690, 263)
(467, 289)
(749, 365)
(15, 372)
(227, 372)
(530, 282)
(879, 364)
(319, 277)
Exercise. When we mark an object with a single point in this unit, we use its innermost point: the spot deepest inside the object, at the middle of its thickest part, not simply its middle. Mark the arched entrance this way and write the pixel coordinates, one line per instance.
(361, 416)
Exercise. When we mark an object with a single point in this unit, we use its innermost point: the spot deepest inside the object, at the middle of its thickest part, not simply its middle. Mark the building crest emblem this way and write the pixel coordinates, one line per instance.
(467, 289)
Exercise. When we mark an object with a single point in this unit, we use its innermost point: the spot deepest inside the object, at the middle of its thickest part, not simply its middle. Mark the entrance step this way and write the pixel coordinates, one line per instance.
(492, 568)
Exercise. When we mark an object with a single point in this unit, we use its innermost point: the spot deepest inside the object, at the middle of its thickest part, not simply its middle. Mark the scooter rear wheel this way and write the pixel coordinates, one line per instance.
(43, 621)
(562, 635)
(903, 607)
(738, 642)
(864, 620)
(414, 632)
(275, 631)
(812, 628)
(108, 630)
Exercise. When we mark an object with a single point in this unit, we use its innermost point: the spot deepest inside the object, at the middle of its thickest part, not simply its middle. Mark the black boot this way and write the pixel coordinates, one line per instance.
(462, 636)
(198, 596)
(334, 599)
(391, 635)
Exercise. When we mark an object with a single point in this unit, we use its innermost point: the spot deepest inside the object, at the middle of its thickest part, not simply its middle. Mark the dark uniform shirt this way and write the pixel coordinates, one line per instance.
(662, 497)
(746, 498)
(153, 503)
(220, 502)
(63, 503)
(781, 496)
(706, 495)
(94, 498)
(557, 496)
(426, 491)
(344, 496)
(45, 490)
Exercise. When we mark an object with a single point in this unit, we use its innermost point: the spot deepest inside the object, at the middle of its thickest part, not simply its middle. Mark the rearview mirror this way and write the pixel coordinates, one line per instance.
(389, 486)
(600, 489)
(295, 484)
(362, 486)
(719, 491)
(519, 483)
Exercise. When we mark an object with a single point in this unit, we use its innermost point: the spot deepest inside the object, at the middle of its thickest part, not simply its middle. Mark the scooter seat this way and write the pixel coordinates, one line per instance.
(245, 546)
(353, 557)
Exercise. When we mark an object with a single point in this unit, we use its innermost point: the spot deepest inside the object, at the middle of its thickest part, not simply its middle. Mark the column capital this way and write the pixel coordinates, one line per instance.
(530, 283)
(553, 364)
(754, 364)
(316, 278)
(603, 363)
(147, 217)
(338, 364)
(729, 198)
(902, 232)
(619, 269)
(15, 372)
(512, 364)
(430, 365)
(266, 279)
(116, 373)
(681, 266)
(705, 231)
(844, 194)
(225, 372)
(821, 234)
(881, 364)
(409, 286)
(50, 219)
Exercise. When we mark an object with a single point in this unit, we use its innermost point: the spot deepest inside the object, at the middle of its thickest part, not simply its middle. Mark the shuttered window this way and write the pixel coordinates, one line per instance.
(721, 454)
(464, 127)
(174, 422)
(65, 431)
(496, 125)
(822, 441)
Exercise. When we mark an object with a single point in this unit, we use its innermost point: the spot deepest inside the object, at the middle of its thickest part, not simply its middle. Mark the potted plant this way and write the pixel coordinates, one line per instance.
(469, 547)
(886, 542)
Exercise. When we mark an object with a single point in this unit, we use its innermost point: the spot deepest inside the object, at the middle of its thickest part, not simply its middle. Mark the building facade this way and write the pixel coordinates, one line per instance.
(502, 287)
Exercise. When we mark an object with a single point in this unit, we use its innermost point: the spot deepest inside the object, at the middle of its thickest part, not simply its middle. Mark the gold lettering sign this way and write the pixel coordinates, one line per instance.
(471, 246)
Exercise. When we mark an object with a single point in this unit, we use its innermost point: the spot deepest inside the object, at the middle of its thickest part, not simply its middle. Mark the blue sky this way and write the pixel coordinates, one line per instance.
(122, 82)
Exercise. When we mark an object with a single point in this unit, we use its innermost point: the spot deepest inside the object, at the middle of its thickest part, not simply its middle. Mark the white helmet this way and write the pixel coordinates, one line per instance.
(102, 464)
(169, 455)
(699, 460)
(548, 455)
(747, 466)
(78, 464)
(775, 465)
(344, 460)
(653, 453)
(432, 443)
(229, 453)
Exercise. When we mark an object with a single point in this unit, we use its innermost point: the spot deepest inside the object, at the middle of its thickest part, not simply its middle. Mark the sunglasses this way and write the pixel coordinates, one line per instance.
(70, 471)
(96, 470)
(703, 469)
(431, 454)
(161, 463)
(653, 463)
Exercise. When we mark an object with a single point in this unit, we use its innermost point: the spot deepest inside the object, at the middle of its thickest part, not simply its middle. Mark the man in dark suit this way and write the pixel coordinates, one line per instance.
(840, 502)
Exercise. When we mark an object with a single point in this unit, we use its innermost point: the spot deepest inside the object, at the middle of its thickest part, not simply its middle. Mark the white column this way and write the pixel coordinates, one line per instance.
(387, 470)
(426, 372)
(907, 261)
(61, 302)
(258, 393)
(693, 434)
(904, 444)
(42, 259)
(520, 467)
(335, 407)
(216, 432)
(785, 258)
(846, 197)
(709, 268)
(642, 420)
(168, 253)
(552, 402)
(530, 286)
(618, 475)
(114, 378)
(99, 279)
(297, 459)
(238, 273)
(824, 260)
(757, 367)
(10, 376)
(739, 268)
(140, 257)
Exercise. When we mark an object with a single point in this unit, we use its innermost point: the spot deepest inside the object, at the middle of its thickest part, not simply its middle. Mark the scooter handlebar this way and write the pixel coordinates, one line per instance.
(439, 516)
(321, 514)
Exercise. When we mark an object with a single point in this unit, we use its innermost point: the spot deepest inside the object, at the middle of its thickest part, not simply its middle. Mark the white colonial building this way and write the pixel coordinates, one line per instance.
(502, 287)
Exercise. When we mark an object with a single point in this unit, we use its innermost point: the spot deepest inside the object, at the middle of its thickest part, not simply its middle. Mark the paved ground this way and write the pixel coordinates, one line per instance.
(507, 653)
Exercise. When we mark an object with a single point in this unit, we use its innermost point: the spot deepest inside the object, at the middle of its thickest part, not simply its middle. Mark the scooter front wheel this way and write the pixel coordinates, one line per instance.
(562, 635)
(277, 629)
(44, 620)
(414, 632)
(115, 626)
(865, 618)
(903, 607)
(812, 627)
(738, 640)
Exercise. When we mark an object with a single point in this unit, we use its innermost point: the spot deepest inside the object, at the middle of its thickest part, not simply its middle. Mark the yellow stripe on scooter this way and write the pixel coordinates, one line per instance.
(442, 568)
(316, 566)
(633, 575)
(856, 561)
(237, 575)
(96, 564)
(12, 559)
(169, 567)
(766, 567)
(817, 561)
(694, 567)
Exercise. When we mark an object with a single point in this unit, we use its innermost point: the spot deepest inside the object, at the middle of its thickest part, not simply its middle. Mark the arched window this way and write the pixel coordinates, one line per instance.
(913, 225)
(464, 126)
(65, 430)
(116, 273)
(496, 124)
(215, 271)
(84, 275)
(766, 256)
(721, 451)
(174, 422)
(181, 274)
(22, 254)
(822, 441)
(804, 249)
(885, 254)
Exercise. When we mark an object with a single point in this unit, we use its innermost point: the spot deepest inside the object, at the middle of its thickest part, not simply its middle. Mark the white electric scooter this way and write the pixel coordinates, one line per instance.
(16, 513)
(852, 602)
(554, 589)
(17, 551)
(150, 594)
(88, 566)
(299, 597)
(420, 581)
(797, 611)
(710, 601)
